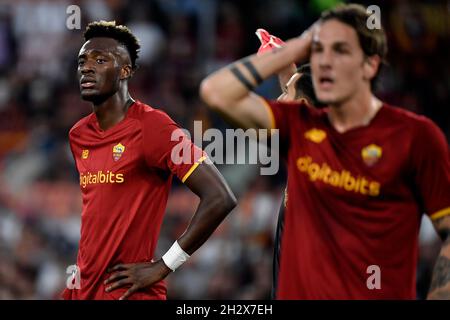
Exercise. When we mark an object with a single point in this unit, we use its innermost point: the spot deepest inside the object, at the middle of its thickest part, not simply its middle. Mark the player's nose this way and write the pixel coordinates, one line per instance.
(87, 68)
(325, 59)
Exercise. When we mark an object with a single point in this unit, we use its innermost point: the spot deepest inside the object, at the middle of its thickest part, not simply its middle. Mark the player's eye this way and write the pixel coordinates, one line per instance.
(80, 63)
(341, 50)
(100, 60)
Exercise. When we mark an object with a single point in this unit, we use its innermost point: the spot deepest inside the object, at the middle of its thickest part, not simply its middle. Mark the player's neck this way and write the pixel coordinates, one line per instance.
(356, 112)
(113, 110)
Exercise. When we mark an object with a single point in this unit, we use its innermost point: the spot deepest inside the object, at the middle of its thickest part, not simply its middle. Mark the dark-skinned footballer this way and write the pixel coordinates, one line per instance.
(123, 153)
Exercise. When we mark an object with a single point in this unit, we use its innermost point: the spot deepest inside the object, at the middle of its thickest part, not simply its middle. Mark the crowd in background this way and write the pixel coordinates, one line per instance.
(182, 41)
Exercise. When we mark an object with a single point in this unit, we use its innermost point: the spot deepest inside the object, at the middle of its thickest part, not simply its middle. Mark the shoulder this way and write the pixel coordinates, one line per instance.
(423, 134)
(416, 123)
(398, 113)
(78, 127)
(155, 124)
(148, 115)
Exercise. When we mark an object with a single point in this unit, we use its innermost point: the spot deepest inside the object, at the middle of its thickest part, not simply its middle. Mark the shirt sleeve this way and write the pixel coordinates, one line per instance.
(431, 159)
(283, 115)
(168, 147)
(279, 116)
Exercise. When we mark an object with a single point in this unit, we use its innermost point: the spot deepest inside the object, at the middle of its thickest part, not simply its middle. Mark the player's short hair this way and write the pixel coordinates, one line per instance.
(304, 87)
(372, 41)
(120, 33)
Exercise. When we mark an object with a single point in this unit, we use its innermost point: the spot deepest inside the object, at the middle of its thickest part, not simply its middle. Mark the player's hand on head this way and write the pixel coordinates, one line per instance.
(138, 275)
(308, 34)
(268, 41)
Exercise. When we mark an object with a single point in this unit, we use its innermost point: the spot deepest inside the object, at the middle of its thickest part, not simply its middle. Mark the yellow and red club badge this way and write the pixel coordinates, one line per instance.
(118, 150)
(371, 154)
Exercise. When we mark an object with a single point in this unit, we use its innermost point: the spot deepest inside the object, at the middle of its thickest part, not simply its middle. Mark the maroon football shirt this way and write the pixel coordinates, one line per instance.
(125, 178)
(355, 201)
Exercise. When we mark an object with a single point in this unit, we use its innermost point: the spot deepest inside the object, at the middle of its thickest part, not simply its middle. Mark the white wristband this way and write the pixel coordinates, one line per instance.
(175, 256)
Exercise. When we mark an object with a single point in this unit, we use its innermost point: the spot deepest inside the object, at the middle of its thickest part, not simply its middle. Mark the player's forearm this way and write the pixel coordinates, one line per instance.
(211, 211)
(222, 88)
(440, 283)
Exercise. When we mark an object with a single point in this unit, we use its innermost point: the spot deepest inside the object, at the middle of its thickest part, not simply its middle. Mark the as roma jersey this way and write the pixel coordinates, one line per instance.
(125, 178)
(355, 200)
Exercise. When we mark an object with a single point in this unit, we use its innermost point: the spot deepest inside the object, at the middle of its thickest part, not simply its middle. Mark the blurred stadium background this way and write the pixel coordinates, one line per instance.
(182, 41)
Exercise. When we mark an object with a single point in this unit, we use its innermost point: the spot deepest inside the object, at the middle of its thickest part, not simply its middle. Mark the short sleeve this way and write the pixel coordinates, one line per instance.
(283, 116)
(431, 161)
(279, 116)
(167, 147)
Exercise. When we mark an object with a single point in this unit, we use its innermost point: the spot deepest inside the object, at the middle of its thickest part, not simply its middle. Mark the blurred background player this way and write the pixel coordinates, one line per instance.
(360, 172)
(296, 86)
(124, 154)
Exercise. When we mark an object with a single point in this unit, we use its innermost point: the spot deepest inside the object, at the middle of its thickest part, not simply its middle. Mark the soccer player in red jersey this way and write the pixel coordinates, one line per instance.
(298, 88)
(124, 153)
(296, 85)
(360, 172)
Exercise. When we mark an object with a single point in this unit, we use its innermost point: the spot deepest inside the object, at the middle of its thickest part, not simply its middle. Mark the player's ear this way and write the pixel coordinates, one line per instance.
(126, 72)
(370, 67)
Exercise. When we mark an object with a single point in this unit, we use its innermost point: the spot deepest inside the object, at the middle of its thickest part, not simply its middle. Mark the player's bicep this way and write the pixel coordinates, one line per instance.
(207, 180)
(440, 282)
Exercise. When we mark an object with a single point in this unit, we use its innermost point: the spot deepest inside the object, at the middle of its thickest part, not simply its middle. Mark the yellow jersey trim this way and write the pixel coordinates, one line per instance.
(273, 124)
(194, 166)
(440, 213)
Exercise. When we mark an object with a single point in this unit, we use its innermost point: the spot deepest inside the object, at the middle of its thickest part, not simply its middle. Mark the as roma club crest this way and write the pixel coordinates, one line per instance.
(371, 154)
(118, 150)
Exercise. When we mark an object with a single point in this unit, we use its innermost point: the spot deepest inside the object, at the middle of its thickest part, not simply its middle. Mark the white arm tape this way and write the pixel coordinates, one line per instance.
(175, 256)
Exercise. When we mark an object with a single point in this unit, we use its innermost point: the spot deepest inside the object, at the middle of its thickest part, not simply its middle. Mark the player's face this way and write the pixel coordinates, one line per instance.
(98, 69)
(337, 62)
(290, 90)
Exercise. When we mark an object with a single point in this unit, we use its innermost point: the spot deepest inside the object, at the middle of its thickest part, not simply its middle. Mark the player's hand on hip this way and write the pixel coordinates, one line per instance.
(138, 275)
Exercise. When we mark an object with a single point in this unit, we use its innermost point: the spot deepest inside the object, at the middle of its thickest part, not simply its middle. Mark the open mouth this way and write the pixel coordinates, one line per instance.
(326, 80)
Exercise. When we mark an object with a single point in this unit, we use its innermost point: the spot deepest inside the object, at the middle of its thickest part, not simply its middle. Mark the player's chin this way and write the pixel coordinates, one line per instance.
(326, 97)
(89, 94)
